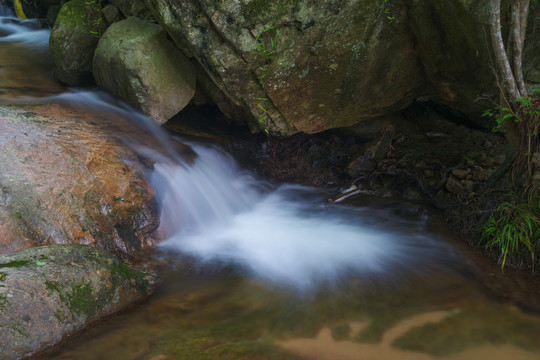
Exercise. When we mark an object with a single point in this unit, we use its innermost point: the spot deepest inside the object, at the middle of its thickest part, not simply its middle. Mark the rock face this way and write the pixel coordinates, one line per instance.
(137, 62)
(73, 40)
(50, 292)
(313, 65)
(65, 179)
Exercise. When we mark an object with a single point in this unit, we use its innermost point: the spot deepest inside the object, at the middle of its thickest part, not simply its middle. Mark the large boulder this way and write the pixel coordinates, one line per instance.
(73, 40)
(137, 62)
(313, 65)
(65, 178)
(48, 293)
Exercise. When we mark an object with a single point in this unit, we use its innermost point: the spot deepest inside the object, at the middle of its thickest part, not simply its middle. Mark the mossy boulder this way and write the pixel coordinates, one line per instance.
(65, 178)
(73, 40)
(48, 293)
(308, 66)
(137, 62)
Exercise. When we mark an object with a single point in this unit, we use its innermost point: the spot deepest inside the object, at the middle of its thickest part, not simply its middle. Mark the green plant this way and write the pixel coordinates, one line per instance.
(523, 118)
(266, 51)
(526, 106)
(389, 18)
(512, 228)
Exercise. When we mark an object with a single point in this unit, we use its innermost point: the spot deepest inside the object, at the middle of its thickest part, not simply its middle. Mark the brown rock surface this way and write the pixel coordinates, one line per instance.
(64, 179)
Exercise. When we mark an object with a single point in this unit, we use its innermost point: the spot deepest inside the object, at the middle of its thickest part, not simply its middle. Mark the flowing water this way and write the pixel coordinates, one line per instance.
(257, 270)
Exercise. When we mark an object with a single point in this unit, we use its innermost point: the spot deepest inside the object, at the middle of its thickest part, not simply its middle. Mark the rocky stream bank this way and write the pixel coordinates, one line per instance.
(394, 115)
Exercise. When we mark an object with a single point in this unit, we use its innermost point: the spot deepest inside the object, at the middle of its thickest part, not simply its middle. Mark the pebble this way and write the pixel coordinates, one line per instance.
(454, 186)
(460, 173)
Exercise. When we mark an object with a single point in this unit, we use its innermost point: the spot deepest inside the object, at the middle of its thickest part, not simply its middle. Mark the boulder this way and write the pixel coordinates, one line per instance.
(138, 63)
(132, 8)
(308, 66)
(50, 292)
(65, 178)
(73, 40)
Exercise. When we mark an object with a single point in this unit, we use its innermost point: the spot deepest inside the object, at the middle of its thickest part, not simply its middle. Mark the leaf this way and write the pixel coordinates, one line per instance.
(487, 113)
(40, 263)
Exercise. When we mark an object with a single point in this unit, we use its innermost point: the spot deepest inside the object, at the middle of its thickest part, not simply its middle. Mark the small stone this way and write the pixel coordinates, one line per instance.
(454, 185)
(499, 159)
(421, 164)
(111, 13)
(460, 173)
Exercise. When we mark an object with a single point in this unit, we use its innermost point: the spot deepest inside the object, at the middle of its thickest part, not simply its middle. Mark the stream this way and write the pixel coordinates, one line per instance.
(252, 269)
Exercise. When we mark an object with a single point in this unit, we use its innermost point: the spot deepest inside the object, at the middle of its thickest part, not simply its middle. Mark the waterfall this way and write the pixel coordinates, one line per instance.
(218, 213)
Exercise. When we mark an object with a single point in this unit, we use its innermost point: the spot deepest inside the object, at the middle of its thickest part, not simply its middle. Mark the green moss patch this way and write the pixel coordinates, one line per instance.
(16, 264)
(3, 302)
(77, 297)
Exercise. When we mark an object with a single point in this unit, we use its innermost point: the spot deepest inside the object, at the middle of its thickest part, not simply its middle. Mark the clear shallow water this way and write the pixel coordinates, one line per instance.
(254, 270)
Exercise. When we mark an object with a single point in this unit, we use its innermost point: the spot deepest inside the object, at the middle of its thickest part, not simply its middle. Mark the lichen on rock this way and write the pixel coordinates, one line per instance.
(55, 291)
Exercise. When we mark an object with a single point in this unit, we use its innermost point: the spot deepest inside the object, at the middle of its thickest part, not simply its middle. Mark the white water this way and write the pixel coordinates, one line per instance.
(287, 235)
(220, 214)
(22, 31)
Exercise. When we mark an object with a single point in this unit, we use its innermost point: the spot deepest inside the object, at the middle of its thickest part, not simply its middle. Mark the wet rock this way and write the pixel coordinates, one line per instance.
(111, 13)
(73, 40)
(50, 292)
(66, 179)
(52, 14)
(328, 64)
(460, 173)
(138, 63)
(454, 185)
(132, 7)
(367, 162)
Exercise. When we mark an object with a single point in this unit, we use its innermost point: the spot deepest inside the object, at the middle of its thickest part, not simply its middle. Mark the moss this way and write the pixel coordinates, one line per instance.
(60, 315)
(81, 300)
(16, 264)
(77, 297)
(3, 276)
(3, 302)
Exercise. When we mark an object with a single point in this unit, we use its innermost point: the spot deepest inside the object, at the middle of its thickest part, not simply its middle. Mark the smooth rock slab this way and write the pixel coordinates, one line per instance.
(50, 292)
(65, 179)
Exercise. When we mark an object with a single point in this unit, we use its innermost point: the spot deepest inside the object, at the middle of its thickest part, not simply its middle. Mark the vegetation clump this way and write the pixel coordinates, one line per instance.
(513, 228)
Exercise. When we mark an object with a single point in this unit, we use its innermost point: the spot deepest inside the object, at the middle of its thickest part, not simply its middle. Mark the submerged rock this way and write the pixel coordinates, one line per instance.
(137, 62)
(64, 178)
(50, 292)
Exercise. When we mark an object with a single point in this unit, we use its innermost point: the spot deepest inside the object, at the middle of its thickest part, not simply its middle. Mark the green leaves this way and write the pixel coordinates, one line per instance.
(511, 229)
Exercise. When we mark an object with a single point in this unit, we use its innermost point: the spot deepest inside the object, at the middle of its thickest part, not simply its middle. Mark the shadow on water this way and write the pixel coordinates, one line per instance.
(257, 270)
